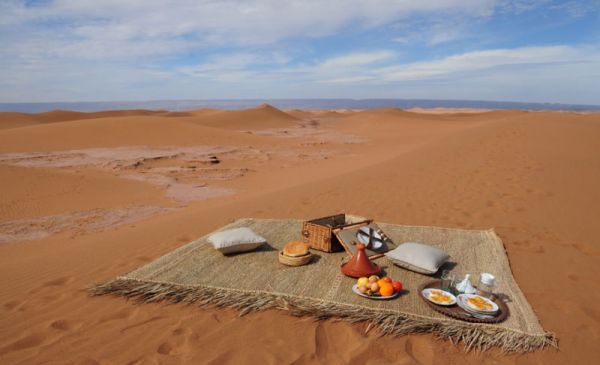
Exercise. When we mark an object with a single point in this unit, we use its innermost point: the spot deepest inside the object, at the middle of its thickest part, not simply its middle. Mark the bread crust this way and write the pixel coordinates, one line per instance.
(295, 249)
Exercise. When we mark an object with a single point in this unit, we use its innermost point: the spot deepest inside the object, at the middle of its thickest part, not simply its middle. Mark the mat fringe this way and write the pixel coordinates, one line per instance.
(474, 338)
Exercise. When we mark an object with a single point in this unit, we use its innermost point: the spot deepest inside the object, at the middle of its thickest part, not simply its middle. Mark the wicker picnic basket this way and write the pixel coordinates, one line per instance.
(319, 233)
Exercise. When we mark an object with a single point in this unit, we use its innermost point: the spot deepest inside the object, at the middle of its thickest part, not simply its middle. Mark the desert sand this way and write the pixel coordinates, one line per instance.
(85, 197)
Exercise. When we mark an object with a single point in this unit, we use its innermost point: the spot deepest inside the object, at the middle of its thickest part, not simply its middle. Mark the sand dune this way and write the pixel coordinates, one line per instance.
(428, 114)
(117, 131)
(385, 115)
(310, 114)
(532, 176)
(448, 110)
(261, 117)
(204, 111)
(13, 119)
(66, 115)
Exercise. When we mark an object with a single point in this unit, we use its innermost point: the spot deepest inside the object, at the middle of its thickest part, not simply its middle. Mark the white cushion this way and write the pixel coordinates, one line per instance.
(418, 257)
(236, 240)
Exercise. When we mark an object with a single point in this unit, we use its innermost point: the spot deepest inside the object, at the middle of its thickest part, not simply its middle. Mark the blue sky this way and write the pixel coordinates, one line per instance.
(104, 50)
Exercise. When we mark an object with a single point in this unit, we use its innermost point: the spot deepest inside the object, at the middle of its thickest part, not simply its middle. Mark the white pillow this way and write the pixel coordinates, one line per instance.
(236, 240)
(417, 257)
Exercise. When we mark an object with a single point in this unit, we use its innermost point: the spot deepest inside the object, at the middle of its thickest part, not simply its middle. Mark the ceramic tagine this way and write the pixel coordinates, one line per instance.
(360, 265)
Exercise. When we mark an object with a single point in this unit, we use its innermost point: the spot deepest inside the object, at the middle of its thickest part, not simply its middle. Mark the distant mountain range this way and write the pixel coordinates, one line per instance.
(178, 105)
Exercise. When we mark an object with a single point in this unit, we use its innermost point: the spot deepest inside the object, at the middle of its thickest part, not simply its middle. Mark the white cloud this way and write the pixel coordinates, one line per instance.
(235, 67)
(520, 6)
(140, 49)
(543, 74)
(239, 67)
(116, 29)
(212, 22)
(489, 67)
(552, 74)
(572, 8)
(577, 8)
(356, 59)
(512, 74)
(481, 60)
(139, 33)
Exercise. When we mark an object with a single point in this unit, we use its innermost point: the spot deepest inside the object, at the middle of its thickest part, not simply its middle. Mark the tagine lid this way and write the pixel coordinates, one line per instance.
(360, 265)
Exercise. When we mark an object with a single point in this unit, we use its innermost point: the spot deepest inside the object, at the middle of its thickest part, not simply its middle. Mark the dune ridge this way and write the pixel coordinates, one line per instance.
(14, 119)
(263, 116)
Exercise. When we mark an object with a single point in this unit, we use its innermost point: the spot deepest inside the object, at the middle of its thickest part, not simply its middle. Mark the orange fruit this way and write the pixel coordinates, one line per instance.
(380, 282)
(386, 289)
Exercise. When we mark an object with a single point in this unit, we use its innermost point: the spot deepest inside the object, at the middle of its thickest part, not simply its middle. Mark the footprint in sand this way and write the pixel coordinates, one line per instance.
(62, 281)
(33, 340)
(61, 325)
(142, 258)
(59, 282)
(526, 245)
(420, 350)
(121, 314)
(408, 347)
(178, 331)
(585, 249)
(52, 297)
(573, 277)
(184, 239)
(164, 349)
(321, 342)
(224, 358)
(142, 323)
(592, 313)
(13, 304)
(88, 361)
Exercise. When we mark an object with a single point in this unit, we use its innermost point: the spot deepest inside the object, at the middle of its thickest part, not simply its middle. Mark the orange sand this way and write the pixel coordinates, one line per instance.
(105, 193)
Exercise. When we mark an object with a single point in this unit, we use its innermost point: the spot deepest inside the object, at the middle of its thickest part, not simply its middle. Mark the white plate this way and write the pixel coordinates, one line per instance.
(475, 314)
(460, 300)
(380, 297)
(463, 299)
(480, 315)
(426, 293)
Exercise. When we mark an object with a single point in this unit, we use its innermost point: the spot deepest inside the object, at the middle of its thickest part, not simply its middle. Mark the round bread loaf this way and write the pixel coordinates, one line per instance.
(296, 249)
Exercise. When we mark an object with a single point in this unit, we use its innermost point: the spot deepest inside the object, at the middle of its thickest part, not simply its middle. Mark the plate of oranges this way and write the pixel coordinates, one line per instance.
(374, 287)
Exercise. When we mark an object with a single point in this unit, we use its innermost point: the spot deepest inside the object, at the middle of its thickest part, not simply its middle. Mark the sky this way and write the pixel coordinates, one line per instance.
(127, 50)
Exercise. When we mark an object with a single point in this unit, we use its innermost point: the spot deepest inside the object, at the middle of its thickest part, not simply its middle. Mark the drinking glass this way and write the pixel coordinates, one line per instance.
(486, 285)
(448, 281)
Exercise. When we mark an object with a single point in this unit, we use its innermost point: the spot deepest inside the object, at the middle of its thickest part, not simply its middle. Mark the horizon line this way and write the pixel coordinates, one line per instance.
(296, 99)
